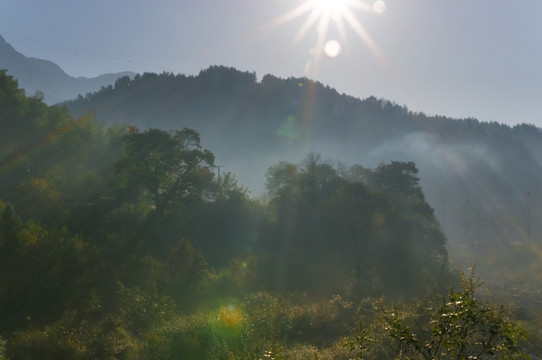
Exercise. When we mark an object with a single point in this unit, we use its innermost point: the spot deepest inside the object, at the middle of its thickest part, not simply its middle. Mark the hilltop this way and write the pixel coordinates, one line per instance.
(481, 178)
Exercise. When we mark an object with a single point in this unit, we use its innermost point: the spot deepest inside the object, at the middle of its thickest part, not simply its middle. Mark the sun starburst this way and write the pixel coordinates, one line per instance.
(323, 14)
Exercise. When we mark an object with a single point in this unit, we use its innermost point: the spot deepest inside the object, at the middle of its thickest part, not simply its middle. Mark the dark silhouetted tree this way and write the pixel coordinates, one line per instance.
(168, 167)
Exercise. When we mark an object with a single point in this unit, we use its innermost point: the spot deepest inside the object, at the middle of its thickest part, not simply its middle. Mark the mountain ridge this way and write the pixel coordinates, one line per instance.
(475, 174)
(39, 76)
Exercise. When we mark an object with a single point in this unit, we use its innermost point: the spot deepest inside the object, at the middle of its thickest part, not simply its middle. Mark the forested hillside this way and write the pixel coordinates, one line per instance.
(125, 242)
(482, 179)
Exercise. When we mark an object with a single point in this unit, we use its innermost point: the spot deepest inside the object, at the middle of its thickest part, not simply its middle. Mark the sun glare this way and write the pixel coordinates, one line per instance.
(341, 14)
(379, 6)
(329, 7)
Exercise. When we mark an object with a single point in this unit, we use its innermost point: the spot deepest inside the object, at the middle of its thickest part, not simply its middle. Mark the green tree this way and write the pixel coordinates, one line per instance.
(362, 219)
(459, 326)
(398, 178)
(41, 268)
(166, 166)
(419, 232)
(368, 229)
(281, 178)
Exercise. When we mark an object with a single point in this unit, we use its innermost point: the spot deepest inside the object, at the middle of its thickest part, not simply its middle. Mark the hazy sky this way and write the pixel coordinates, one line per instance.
(459, 58)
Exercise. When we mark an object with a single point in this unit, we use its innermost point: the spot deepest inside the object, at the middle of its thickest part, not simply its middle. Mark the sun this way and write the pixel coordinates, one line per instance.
(329, 7)
(323, 14)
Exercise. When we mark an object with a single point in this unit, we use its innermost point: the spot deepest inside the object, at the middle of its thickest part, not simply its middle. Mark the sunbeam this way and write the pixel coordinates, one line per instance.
(321, 15)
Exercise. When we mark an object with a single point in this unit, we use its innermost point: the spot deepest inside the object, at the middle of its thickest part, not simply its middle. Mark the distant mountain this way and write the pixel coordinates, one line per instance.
(483, 179)
(45, 76)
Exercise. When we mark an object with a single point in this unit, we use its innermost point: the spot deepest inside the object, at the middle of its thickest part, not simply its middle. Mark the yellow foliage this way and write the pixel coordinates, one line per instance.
(230, 316)
(32, 233)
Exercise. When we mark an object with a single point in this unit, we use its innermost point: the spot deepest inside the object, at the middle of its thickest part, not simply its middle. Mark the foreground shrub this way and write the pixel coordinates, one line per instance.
(459, 326)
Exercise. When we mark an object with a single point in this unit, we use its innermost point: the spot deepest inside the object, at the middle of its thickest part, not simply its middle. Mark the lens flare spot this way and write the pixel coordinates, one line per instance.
(332, 48)
(230, 316)
(379, 6)
(289, 128)
(322, 16)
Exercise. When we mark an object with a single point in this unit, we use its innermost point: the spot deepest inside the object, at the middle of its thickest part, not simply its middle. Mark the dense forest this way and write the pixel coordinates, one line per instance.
(121, 241)
(482, 179)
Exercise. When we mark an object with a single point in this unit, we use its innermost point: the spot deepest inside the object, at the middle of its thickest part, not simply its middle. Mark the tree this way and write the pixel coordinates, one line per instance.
(398, 178)
(383, 233)
(399, 182)
(281, 178)
(458, 327)
(41, 268)
(362, 221)
(167, 166)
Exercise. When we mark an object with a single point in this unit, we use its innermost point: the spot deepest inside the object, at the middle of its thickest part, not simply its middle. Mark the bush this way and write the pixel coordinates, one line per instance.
(457, 327)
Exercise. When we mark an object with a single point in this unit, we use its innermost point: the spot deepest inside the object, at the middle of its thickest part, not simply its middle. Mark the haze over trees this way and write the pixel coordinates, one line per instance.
(481, 178)
(119, 242)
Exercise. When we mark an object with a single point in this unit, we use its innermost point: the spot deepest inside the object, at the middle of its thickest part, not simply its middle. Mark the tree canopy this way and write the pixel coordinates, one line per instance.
(169, 167)
(122, 244)
(382, 226)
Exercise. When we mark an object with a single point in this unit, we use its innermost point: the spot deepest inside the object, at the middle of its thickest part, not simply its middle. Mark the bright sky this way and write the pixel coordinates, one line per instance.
(459, 58)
